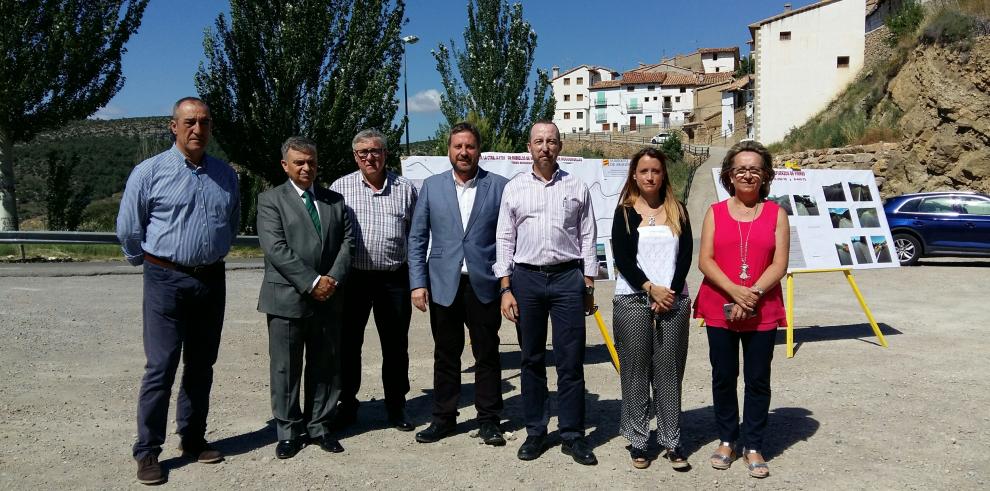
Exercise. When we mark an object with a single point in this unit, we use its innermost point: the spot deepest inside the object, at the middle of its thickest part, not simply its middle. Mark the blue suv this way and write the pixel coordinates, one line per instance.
(950, 223)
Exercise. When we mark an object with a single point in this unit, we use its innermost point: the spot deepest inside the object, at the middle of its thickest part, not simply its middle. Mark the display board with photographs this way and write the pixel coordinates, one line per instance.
(836, 218)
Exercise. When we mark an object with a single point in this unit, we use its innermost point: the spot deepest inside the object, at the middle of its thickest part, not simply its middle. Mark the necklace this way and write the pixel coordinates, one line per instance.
(744, 247)
(651, 219)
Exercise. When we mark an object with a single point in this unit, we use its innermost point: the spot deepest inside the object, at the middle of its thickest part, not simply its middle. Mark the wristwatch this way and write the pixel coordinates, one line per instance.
(759, 291)
(503, 291)
(589, 290)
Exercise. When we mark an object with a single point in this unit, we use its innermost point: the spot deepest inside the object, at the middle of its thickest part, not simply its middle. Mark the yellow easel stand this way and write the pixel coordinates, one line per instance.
(852, 283)
(608, 340)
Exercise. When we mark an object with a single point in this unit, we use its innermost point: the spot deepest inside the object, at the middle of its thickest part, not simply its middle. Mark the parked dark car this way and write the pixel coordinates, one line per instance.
(951, 223)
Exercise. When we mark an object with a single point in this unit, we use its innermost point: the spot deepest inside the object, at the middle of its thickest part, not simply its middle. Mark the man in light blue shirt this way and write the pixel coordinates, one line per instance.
(178, 216)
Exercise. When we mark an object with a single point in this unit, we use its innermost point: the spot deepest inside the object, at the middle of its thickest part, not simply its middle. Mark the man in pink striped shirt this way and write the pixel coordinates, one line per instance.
(546, 262)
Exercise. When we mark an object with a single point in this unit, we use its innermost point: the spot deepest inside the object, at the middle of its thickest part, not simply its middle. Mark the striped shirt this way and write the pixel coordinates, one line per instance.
(381, 219)
(174, 210)
(544, 223)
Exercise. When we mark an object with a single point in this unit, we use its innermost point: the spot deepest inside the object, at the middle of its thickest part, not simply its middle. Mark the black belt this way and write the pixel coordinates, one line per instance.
(553, 268)
(189, 270)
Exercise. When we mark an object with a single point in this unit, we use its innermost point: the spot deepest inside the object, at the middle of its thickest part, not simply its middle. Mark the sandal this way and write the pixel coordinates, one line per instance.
(678, 461)
(758, 470)
(640, 459)
(723, 461)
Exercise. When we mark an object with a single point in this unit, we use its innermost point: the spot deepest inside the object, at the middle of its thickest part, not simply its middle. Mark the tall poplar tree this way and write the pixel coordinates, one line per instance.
(491, 82)
(325, 69)
(61, 62)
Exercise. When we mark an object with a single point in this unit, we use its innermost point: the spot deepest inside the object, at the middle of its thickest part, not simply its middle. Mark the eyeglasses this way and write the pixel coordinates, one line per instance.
(742, 171)
(366, 152)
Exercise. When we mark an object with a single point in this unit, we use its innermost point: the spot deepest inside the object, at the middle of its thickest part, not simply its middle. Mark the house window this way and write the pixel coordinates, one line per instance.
(842, 62)
(714, 56)
(567, 97)
(630, 88)
(677, 99)
(654, 97)
(580, 97)
(580, 115)
(683, 90)
(716, 69)
(579, 81)
(567, 115)
(567, 81)
(785, 35)
(650, 87)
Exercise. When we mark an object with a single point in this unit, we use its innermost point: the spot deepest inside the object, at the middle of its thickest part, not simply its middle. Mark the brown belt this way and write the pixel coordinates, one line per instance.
(189, 270)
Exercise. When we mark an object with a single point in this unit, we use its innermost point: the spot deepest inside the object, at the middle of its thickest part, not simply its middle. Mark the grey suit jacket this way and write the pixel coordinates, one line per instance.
(295, 254)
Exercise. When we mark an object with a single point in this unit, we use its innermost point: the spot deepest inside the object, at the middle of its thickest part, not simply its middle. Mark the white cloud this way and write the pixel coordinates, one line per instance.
(426, 101)
(110, 111)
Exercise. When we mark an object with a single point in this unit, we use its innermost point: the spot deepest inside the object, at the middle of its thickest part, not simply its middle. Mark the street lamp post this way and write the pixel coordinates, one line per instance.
(410, 39)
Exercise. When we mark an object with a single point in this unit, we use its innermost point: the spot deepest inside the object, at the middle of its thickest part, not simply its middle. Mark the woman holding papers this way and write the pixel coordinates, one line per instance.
(744, 247)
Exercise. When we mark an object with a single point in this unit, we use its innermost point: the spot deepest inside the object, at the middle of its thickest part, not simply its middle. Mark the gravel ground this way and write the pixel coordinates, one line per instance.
(846, 413)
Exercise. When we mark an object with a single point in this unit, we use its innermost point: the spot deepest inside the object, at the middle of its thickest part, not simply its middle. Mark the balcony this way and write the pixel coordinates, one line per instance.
(633, 106)
(667, 107)
(600, 100)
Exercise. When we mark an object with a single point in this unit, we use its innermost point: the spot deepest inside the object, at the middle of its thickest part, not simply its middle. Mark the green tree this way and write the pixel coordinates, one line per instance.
(746, 66)
(61, 61)
(65, 197)
(325, 69)
(494, 70)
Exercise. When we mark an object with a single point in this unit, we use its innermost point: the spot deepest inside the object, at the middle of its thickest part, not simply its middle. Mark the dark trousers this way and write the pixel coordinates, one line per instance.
(289, 340)
(447, 324)
(387, 293)
(183, 316)
(561, 297)
(723, 350)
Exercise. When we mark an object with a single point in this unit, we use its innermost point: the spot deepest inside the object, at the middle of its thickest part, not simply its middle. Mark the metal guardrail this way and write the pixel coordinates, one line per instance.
(81, 238)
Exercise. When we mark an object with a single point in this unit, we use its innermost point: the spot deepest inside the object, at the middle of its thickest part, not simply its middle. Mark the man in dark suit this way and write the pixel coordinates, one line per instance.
(459, 209)
(305, 232)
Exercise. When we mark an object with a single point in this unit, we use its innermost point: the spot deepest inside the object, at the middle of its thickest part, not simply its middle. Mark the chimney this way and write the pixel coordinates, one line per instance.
(556, 71)
(787, 7)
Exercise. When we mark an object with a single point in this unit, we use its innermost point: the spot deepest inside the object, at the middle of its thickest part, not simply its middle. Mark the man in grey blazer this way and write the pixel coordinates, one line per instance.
(459, 210)
(305, 233)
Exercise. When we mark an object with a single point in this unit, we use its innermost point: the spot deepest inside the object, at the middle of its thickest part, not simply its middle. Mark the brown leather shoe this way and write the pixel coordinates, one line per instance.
(149, 471)
(203, 452)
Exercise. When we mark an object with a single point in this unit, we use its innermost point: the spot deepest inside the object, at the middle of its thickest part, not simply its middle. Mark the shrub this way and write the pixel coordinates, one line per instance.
(905, 21)
(949, 26)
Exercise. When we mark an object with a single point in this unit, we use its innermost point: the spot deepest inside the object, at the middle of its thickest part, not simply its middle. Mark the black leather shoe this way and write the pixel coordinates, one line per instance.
(149, 471)
(491, 434)
(286, 449)
(532, 448)
(579, 450)
(398, 421)
(329, 443)
(203, 452)
(435, 432)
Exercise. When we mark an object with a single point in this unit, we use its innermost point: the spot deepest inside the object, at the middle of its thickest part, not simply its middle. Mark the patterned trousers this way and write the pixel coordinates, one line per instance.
(652, 352)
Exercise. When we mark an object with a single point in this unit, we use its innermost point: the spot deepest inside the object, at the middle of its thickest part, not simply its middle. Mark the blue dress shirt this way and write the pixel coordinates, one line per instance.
(176, 211)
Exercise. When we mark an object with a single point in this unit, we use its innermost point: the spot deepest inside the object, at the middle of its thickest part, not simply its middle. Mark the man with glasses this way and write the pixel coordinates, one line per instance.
(381, 205)
(546, 262)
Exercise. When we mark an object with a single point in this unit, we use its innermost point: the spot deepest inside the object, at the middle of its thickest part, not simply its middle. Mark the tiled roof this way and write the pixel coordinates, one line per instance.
(589, 67)
(678, 79)
(632, 77)
(738, 84)
(606, 84)
(734, 49)
(714, 78)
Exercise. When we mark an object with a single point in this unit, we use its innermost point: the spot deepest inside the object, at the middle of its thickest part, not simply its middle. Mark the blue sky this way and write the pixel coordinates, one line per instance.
(164, 54)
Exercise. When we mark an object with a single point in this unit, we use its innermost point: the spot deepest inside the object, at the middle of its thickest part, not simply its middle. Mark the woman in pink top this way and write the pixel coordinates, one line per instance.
(744, 248)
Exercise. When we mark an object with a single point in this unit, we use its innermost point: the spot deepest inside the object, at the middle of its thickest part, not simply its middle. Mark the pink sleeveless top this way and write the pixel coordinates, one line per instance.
(762, 244)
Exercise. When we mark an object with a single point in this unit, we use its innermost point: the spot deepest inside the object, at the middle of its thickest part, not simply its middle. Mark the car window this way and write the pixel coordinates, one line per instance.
(975, 206)
(940, 204)
(910, 207)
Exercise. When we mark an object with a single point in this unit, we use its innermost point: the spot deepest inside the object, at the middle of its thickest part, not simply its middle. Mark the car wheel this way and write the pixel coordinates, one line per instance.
(908, 249)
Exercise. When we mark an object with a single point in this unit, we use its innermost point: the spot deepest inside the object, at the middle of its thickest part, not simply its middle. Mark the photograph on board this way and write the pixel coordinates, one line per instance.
(805, 205)
(842, 250)
(868, 217)
(840, 217)
(862, 249)
(880, 248)
(834, 192)
(783, 201)
(860, 192)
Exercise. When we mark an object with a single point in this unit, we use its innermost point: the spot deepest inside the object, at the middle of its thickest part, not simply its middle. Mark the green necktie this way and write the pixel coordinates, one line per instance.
(311, 208)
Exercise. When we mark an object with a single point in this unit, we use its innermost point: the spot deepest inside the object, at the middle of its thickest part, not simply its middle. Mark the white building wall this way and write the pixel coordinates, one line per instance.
(722, 63)
(611, 109)
(728, 112)
(797, 78)
(680, 103)
(574, 107)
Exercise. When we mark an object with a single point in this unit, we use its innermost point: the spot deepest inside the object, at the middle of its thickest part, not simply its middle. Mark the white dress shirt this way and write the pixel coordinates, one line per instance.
(466, 192)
